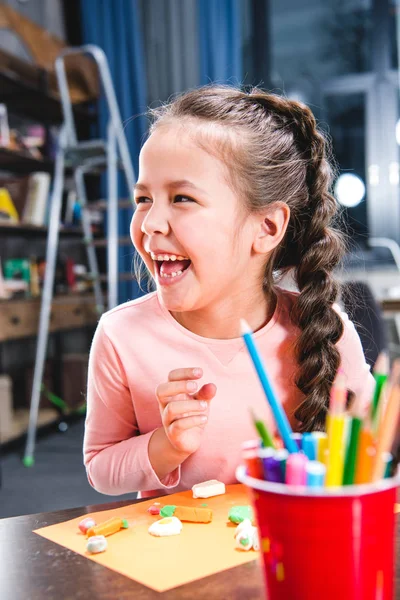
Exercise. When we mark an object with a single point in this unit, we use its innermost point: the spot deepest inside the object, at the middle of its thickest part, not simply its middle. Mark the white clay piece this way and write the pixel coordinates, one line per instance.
(246, 536)
(165, 527)
(207, 489)
(96, 544)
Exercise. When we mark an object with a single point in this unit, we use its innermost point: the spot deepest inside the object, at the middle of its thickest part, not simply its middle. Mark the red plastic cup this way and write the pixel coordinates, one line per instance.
(325, 543)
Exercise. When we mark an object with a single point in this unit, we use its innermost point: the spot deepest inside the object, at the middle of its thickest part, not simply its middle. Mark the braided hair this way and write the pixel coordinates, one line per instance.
(276, 154)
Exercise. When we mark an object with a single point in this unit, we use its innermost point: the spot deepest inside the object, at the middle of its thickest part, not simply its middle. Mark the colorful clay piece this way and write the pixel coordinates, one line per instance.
(192, 514)
(166, 527)
(154, 509)
(168, 510)
(86, 524)
(246, 536)
(96, 544)
(237, 514)
(108, 527)
(207, 489)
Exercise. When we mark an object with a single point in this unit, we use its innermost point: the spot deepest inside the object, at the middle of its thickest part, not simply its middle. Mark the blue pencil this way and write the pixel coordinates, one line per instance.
(278, 412)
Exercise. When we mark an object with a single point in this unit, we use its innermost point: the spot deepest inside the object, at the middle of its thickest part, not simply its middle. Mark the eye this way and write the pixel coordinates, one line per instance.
(142, 200)
(180, 199)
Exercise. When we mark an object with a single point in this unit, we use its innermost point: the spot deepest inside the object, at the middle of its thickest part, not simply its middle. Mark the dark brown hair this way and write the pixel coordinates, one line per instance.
(275, 153)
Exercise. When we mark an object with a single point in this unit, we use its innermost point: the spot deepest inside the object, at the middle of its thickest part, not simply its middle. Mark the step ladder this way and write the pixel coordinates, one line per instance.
(82, 157)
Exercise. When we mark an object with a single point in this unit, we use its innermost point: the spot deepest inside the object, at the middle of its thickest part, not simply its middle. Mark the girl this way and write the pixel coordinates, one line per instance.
(233, 188)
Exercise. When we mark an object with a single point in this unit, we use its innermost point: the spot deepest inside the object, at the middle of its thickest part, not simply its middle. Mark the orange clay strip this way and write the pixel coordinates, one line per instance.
(108, 527)
(193, 514)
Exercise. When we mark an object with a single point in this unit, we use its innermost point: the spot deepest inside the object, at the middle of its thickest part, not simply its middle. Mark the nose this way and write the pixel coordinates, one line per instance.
(156, 221)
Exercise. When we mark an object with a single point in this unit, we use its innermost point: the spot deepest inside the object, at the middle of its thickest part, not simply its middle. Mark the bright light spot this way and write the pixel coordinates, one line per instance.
(349, 190)
(394, 173)
(398, 132)
(373, 175)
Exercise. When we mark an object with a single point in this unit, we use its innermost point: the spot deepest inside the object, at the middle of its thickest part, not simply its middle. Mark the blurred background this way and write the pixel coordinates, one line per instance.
(338, 56)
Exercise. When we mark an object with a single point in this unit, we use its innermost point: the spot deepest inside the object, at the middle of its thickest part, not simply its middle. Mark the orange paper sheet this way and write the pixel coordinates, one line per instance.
(163, 563)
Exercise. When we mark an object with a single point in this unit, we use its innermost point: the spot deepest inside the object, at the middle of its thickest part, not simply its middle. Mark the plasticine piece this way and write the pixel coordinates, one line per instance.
(166, 527)
(237, 514)
(191, 514)
(194, 514)
(207, 489)
(96, 544)
(108, 527)
(246, 536)
(154, 509)
(86, 524)
(168, 510)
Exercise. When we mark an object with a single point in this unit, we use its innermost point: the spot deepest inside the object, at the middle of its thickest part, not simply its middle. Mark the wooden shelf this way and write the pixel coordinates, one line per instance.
(29, 100)
(19, 318)
(20, 420)
(22, 163)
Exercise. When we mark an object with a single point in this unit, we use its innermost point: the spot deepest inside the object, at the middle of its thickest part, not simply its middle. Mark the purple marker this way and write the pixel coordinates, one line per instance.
(273, 468)
(266, 454)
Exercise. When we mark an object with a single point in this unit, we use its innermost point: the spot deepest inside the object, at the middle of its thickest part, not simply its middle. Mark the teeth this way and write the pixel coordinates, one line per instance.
(175, 274)
(172, 257)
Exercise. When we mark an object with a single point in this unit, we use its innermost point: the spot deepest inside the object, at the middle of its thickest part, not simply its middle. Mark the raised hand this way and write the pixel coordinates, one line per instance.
(184, 408)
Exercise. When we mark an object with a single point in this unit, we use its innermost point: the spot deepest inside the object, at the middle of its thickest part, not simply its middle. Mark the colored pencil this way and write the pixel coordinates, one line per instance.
(365, 456)
(388, 426)
(278, 412)
(263, 432)
(381, 372)
(322, 445)
(336, 429)
(351, 454)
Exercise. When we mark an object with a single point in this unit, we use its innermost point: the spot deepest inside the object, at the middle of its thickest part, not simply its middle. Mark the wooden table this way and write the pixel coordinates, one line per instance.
(33, 568)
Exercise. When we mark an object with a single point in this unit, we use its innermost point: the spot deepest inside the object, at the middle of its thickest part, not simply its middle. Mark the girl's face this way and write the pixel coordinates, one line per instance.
(190, 227)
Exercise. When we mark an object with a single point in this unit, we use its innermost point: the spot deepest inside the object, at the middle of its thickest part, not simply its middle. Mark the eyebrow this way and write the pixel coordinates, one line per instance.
(173, 185)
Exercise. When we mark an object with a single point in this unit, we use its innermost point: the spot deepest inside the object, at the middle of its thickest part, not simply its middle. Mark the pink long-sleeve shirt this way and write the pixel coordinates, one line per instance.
(135, 347)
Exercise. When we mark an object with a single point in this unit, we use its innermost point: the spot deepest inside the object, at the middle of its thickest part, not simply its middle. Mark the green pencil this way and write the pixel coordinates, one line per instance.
(263, 432)
(351, 455)
(380, 375)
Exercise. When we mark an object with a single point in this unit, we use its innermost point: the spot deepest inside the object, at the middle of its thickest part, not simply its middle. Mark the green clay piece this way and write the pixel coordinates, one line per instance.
(245, 541)
(237, 514)
(125, 524)
(168, 510)
(204, 505)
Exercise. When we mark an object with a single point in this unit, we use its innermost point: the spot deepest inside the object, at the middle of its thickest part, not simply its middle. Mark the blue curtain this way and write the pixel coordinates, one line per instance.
(220, 41)
(115, 26)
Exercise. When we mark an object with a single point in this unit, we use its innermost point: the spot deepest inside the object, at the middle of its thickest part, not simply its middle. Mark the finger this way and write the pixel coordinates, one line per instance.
(187, 423)
(173, 388)
(178, 374)
(207, 392)
(177, 410)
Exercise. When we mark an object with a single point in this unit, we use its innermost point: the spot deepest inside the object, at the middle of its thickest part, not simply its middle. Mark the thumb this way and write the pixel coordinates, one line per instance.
(207, 392)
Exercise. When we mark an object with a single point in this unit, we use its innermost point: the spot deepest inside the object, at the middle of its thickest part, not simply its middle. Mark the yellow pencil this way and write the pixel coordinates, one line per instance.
(322, 446)
(388, 425)
(336, 429)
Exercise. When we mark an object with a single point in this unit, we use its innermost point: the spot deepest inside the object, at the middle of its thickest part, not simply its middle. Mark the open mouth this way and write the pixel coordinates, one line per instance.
(171, 267)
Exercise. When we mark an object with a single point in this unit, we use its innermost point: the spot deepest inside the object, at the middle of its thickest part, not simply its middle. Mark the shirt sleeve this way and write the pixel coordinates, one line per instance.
(116, 455)
(355, 368)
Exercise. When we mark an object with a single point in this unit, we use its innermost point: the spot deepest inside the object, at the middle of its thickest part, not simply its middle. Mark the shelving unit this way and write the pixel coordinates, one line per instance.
(29, 98)
(22, 163)
(19, 318)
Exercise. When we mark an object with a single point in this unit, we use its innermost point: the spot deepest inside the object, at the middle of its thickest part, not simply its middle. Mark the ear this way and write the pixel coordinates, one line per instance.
(271, 227)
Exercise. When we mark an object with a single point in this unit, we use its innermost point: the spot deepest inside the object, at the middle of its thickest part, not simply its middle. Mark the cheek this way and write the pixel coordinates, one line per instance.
(135, 231)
